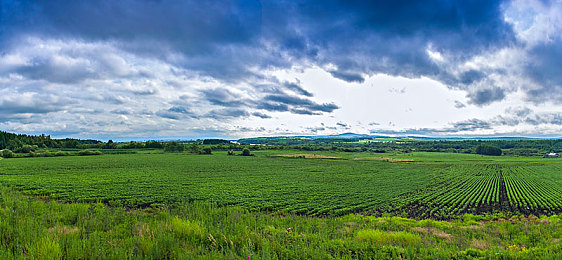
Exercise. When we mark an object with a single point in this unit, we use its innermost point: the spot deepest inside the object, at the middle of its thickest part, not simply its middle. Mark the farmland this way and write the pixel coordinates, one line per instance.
(280, 204)
(418, 185)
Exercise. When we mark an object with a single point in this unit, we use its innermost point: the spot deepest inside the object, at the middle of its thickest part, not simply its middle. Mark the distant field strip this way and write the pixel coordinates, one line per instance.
(419, 185)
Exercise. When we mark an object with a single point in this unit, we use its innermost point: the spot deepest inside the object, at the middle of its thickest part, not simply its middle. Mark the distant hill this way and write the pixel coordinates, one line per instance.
(356, 137)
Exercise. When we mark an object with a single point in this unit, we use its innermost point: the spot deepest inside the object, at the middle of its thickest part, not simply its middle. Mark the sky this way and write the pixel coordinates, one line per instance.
(141, 70)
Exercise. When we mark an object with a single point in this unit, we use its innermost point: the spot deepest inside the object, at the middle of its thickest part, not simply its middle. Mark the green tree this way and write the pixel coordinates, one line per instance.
(207, 150)
(174, 147)
(488, 150)
(6, 153)
(246, 152)
(194, 148)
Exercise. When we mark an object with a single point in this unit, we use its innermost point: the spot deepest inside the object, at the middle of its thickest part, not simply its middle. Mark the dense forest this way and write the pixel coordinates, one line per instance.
(21, 143)
(15, 141)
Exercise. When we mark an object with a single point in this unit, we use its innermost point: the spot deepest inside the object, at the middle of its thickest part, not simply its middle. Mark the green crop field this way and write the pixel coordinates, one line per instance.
(421, 185)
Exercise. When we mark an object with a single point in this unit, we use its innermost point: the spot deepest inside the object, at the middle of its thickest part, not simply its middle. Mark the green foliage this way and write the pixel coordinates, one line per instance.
(420, 185)
(185, 228)
(153, 144)
(36, 229)
(109, 145)
(6, 153)
(318, 187)
(194, 148)
(70, 143)
(215, 141)
(174, 147)
(206, 150)
(89, 152)
(246, 152)
(26, 149)
(488, 150)
(386, 238)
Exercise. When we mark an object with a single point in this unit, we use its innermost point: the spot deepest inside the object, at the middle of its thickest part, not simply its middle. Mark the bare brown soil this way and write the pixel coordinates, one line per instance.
(308, 156)
(384, 159)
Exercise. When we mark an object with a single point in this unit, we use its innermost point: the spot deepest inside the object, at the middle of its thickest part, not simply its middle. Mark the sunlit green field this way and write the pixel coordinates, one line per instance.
(424, 185)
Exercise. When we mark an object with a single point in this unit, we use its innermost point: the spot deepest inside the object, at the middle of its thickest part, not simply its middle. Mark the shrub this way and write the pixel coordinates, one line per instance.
(230, 152)
(174, 147)
(26, 149)
(488, 150)
(246, 152)
(194, 148)
(153, 144)
(207, 150)
(89, 152)
(6, 153)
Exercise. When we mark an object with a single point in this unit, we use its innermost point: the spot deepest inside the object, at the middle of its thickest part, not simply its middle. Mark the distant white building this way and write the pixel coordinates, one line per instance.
(552, 155)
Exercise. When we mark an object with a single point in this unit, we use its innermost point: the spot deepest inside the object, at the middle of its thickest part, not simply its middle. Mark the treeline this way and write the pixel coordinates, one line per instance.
(26, 143)
(17, 141)
(509, 147)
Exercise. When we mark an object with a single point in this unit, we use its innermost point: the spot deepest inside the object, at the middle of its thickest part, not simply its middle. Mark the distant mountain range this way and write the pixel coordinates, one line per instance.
(411, 138)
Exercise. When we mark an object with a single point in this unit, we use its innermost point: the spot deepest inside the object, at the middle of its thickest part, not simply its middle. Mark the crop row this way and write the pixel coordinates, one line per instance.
(486, 189)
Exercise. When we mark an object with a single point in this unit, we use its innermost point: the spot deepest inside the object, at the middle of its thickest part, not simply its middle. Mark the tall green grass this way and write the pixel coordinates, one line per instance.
(37, 229)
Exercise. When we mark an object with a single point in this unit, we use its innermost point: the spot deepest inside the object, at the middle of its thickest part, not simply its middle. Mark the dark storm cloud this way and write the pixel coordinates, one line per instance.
(389, 37)
(190, 26)
(179, 109)
(348, 76)
(274, 107)
(471, 125)
(344, 125)
(545, 69)
(511, 117)
(230, 48)
(31, 103)
(215, 38)
(222, 97)
(486, 96)
(471, 76)
(261, 115)
(303, 111)
(545, 118)
(224, 39)
(270, 97)
(227, 113)
(176, 112)
(297, 88)
(47, 69)
(300, 105)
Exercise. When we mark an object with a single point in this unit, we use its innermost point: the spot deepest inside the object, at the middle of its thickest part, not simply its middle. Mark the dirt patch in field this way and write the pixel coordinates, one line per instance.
(479, 244)
(384, 159)
(63, 230)
(307, 156)
(435, 232)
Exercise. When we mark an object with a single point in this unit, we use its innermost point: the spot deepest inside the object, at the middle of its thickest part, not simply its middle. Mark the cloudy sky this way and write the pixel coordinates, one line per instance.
(153, 69)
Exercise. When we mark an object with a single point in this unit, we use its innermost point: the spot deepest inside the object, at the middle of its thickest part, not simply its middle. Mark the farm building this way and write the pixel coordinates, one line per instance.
(552, 155)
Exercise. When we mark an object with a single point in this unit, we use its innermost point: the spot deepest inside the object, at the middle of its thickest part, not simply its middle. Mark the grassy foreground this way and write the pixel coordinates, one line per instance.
(31, 228)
